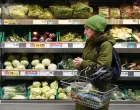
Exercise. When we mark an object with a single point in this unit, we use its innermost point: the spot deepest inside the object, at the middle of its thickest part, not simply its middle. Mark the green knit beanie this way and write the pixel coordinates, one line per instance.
(97, 23)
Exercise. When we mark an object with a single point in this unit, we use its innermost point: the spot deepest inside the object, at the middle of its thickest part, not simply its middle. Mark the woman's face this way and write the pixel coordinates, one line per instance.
(90, 33)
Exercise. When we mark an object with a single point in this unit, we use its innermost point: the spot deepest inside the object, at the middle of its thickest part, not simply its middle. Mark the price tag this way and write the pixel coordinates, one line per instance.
(76, 22)
(124, 73)
(11, 45)
(39, 45)
(40, 22)
(131, 21)
(46, 73)
(78, 45)
(51, 22)
(10, 73)
(69, 73)
(131, 45)
(136, 73)
(56, 45)
(65, 21)
(29, 73)
(0, 22)
(138, 45)
(10, 22)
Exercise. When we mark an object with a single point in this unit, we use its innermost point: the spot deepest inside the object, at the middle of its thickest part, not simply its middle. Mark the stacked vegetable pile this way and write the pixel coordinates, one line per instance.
(16, 62)
(118, 95)
(14, 92)
(134, 65)
(43, 62)
(71, 37)
(122, 33)
(15, 38)
(45, 91)
(46, 37)
(78, 10)
(125, 11)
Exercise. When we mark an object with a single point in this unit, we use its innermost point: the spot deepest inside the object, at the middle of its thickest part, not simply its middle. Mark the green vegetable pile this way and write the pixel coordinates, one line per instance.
(14, 92)
(118, 95)
(15, 38)
(71, 37)
(134, 94)
(15, 11)
(61, 11)
(81, 10)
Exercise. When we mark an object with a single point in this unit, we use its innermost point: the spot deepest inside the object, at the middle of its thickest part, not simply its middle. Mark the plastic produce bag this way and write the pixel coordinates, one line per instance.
(136, 9)
(126, 11)
(104, 11)
(46, 15)
(115, 13)
(81, 10)
(14, 11)
(61, 11)
(35, 11)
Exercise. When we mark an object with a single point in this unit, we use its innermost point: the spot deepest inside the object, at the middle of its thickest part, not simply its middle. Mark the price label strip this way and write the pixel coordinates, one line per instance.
(131, 45)
(10, 22)
(65, 21)
(46, 73)
(10, 73)
(40, 22)
(124, 74)
(131, 21)
(11, 45)
(39, 45)
(29, 73)
(137, 74)
(69, 73)
(78, 45)
(56, 45)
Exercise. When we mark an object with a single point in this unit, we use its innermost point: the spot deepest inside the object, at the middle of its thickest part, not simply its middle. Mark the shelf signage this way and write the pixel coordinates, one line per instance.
(11, 45)
(10, 73)
(40, 22)
(29, 73)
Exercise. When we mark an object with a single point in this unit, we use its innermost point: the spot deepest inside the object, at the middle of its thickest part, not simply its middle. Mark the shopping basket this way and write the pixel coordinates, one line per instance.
(83, 93)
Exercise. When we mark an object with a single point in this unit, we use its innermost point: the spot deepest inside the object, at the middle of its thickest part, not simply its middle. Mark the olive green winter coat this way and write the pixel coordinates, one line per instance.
(103, 58)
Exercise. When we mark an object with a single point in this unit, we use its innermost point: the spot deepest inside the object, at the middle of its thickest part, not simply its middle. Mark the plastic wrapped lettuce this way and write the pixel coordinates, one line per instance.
(14, 11)
(81, 10)
(35, 11)
(61, 11)
(104, 11)
(46, 15)
(115, 13)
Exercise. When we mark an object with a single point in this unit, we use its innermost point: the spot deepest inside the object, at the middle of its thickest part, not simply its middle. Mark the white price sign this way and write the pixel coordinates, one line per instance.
(40, 22)
(69, 73)
(138, 45)
(11, 45)
(65, 21)
(131, 21)
(136, 73)
(46, 73)
(78, 45)
(124, 73)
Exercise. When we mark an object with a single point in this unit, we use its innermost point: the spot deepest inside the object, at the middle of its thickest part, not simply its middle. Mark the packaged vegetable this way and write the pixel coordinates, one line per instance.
(81, 10)
(61, 11)
(115, 13)
(104, 11)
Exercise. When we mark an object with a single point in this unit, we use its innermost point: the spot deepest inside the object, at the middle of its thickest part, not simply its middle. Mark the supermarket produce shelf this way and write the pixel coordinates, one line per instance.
(61, 105)
(62, 47)
(64, 22)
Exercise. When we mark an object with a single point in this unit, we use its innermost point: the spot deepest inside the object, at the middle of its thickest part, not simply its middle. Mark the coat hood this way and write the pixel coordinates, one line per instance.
(102, 38)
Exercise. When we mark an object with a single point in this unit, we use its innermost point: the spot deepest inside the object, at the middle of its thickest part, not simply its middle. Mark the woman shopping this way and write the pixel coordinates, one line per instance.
(94, 31)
